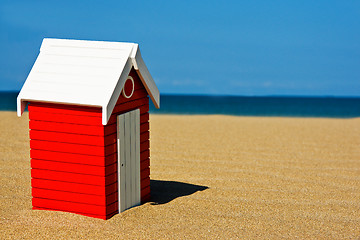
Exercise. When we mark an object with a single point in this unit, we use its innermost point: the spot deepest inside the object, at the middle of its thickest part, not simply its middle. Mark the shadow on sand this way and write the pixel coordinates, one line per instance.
(165, 191)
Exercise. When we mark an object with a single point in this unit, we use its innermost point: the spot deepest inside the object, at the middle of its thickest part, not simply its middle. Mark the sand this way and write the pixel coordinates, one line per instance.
(212, 177)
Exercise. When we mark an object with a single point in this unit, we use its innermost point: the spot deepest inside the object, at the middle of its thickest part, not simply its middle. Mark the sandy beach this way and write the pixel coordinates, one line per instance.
(213, 177)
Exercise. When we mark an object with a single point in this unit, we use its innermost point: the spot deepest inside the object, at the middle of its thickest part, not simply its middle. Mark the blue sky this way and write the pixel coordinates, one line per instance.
(309, 48)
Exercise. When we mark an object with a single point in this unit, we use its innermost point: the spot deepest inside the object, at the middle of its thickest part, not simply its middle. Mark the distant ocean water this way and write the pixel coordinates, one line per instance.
(332, 107)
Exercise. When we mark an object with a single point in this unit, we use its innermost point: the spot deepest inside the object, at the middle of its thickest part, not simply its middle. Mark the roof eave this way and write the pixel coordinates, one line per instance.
(108, 108)
(145, 76)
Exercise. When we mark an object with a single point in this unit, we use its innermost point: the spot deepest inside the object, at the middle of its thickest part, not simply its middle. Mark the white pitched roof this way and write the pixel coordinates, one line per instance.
(90, 73)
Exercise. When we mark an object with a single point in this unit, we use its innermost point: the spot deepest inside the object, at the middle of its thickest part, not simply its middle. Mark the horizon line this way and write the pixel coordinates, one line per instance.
(232, 95)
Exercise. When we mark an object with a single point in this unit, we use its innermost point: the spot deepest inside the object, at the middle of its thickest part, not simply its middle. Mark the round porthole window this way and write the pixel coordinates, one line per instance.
(128, 88)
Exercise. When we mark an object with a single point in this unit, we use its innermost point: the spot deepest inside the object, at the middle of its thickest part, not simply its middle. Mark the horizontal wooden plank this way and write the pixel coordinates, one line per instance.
(130, 105)
(145, 191)
(75, 197)
(73, 177)
(104, 217)
(144, 127)
(145, 198)
(144, 108)
(81, 120)
(73, 207)
(73, 148)
(145, 164)
(73, 158)
(61, 117)
(80, 58)
(138, 93)
(145, 173)
(144, 117)
(77, 133)
(83, 159)
(74, 168)
(142, 104)
(65, 118)
(144, 136)
(72, 128)
(145, 183)
(144, 145)
(73, 138)
(65, 109)
(144, 155)
(74, 187)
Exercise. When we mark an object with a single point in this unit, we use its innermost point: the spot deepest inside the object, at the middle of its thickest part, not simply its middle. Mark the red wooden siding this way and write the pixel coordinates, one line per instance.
(73, 187)
(74, 157)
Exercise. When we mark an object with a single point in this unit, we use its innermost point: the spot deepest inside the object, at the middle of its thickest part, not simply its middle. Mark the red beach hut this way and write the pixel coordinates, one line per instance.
(88, 105)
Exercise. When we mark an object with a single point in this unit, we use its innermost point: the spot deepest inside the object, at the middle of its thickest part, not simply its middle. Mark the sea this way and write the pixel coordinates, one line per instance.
(267, 106)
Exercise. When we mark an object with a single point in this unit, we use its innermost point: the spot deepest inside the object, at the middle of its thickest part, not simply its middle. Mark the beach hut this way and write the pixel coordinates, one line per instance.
(88, 104)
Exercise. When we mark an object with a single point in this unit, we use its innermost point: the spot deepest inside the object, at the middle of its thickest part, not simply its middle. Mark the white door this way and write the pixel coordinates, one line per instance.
(128, 145)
